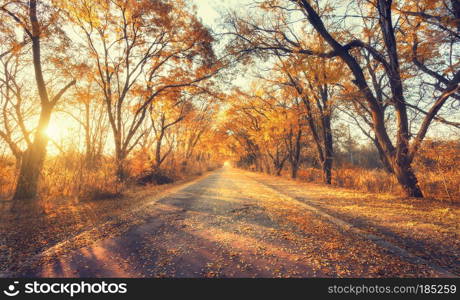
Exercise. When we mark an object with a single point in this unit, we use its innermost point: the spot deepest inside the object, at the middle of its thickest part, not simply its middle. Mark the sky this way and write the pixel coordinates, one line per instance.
(208, 10)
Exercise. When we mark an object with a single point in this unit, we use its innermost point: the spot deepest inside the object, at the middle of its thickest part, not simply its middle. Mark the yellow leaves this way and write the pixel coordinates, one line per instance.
(16, 47)
(82, 11)
(259, 92)
(428, 4)
(368, 33)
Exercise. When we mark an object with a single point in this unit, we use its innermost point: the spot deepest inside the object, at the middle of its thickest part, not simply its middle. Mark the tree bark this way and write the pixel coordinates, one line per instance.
(295, 154)
(279, 164)
(324, 145)
(327, 171)
(294, 170)
(456, 12)
(158, 159)
(120, 172)
(32, 161)
(328, 149)
(383, 158)
(407, 179)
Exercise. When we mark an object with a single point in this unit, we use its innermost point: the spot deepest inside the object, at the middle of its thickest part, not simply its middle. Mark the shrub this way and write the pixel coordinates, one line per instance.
(154, 177)
(7, 178)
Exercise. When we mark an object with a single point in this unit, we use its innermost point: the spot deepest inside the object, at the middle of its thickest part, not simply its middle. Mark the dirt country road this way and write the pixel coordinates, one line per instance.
(233, 224)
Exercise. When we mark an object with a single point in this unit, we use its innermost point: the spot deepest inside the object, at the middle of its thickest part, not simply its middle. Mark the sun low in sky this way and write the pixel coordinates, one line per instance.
(55, 132)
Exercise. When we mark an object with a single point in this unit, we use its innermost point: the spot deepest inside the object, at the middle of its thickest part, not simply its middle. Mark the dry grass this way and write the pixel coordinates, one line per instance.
(68, 176)
(443, 186)
(7, 178)
(373, 181)
(81, 183)
(436, 167)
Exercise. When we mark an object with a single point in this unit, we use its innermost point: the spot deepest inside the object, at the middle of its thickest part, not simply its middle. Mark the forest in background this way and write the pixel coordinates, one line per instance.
(116, 99)
(98, 96)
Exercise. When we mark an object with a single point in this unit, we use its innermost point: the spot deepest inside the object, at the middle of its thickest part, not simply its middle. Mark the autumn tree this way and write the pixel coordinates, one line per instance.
(16, 107)
(272, 138)
(197, 126)
(243, 127)
(86, 109)
(140, 50)
(392, 55)
(268, 125)
(26, 16)
(164, 115)
(317, 90)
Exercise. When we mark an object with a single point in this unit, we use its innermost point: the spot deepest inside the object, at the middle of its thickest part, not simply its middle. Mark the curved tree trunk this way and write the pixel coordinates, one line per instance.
(32, 161)
(407, 179)
(383, 158)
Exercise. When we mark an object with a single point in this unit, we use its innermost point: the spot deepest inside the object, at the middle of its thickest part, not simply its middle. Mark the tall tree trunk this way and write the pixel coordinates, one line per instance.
(407, 179)
(399, 154)
(327, 171)
(401, 157)
(324, 145)
(158, 158)
(294, 170)
(456, 12)
(328, 149)
(18, 162)
(90, 146)
(257, 163)
(278, 171)
(295, 156)
(279, 164)
(268, 168)
(383, 158)
(120, 157)
(32, 161)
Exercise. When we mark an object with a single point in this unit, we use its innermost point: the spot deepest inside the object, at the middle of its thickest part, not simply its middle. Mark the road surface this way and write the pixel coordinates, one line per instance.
(232, 224)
